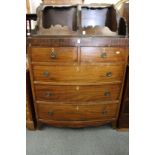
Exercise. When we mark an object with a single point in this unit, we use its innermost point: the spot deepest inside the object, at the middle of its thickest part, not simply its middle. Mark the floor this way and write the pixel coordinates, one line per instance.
(86, 141)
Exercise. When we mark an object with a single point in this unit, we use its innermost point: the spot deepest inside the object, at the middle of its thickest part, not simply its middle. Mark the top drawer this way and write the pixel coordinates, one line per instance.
(54, 54)
(103, 54)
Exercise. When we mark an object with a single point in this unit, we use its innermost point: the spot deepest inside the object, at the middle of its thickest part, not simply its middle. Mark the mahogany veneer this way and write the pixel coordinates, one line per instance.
(77, 93)
(73, 90)
(77, 80)
(79, 73)
(82, 112)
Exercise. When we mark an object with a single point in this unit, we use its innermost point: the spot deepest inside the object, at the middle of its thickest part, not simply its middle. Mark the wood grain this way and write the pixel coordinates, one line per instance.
(70, 112)
(103, 54)
(81, 74)
(60, 54)
(77, 93)
(77, 80)
(77, 85)
(77, 124)
(71, 41)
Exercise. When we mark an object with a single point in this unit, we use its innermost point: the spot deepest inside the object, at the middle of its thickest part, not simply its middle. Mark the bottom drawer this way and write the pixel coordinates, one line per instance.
(73, 112)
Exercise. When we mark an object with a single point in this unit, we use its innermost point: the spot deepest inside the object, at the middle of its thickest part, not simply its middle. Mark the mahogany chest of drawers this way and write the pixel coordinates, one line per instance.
(77, 81)
(77, 57)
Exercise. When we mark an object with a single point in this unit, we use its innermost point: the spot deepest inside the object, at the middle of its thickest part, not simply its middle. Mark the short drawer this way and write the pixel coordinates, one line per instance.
(103, 54)
(72, 112)
(54, 54)
(85, 73)
(59, 93)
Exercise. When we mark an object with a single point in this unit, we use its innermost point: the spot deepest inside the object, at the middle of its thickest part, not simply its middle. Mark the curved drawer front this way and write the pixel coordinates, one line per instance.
(55, 54)
(70, 112)
(77, 93)
(86, 74)
(105, 54)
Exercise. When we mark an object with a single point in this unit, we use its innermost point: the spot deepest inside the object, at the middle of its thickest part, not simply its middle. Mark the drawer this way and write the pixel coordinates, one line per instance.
(105, 54)
(55, 54)
(59, 93)
(72, 112)
(85, 73)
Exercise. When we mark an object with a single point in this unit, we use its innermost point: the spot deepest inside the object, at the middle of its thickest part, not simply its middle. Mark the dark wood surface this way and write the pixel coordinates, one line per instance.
(73, 19)
(77, 93)
(30, 115)
(103, 54)
(77, 80)
(87, 81)
(123, 121)
(77, 124)
(71, 41)
(54, 54)
(79, 74)
(105, 16)
(72, 112)
(52, 16)
(76, 83)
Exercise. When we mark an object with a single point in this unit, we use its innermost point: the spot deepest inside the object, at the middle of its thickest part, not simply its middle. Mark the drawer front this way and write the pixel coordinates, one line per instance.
(70, 112)
(86, 74)
(55, 54)
(107, 54)
(77, 93)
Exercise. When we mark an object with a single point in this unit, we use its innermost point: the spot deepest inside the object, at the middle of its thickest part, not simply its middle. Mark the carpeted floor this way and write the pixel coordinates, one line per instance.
(86, 141)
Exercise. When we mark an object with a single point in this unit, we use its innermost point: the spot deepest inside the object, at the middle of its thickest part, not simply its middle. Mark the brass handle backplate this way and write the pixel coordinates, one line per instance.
(107, 93)
(50, 113)
(53, 54)
(109, 74)
(103, 55)
(45, 73)
(48, 94)
(104, 112)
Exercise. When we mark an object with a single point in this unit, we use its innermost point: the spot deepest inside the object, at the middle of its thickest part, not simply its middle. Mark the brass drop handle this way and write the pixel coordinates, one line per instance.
(109, 74)
(105, 112)
(45, 73)
(50, 113)
(107, 93)
(53, 54)
(48, 94)
(103, 55)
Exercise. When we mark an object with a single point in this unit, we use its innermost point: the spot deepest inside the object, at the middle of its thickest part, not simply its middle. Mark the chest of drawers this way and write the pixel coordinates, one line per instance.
(77, 81)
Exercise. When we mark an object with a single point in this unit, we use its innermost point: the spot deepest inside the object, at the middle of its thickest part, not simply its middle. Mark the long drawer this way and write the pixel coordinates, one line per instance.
(84, 73)
(103, 54)
(59, 93)
(54, 54)
(72, 112)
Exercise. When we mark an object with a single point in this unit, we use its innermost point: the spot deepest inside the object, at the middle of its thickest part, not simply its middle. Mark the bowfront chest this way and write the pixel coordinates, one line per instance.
(77, 60)
(77, 82)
